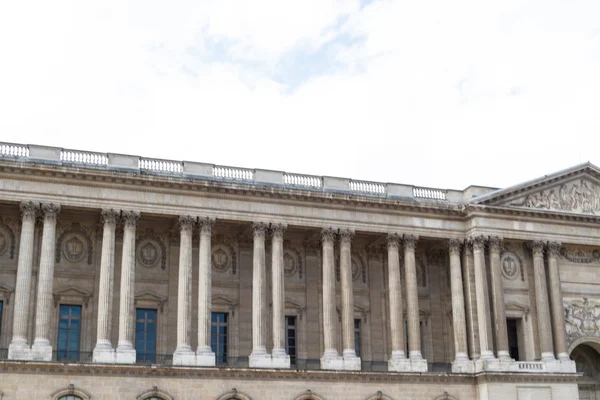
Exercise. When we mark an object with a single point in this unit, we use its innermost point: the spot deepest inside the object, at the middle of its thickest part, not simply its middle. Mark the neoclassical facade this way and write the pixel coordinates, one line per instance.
(123, 277)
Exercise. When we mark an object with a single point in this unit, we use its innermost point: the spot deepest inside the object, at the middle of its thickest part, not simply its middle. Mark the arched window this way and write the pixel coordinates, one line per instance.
(309, 395)
(233, 394)
(70, 393)
(154, 394)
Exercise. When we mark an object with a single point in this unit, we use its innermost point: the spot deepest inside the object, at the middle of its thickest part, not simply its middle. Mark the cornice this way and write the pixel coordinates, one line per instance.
(19, 367)
(214, 188)
(532, 214)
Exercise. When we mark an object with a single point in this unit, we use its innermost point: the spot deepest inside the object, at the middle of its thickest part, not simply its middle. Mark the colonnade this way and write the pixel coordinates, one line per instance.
(548, 304)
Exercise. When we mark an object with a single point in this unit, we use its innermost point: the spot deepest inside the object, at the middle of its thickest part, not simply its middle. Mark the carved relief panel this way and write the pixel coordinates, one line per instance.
(151, 252)
(75, 246)
(224, 259)
(7, 242)
(582, 318)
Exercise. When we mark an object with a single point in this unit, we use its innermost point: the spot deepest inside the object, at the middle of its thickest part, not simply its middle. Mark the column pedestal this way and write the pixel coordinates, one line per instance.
(407, 365)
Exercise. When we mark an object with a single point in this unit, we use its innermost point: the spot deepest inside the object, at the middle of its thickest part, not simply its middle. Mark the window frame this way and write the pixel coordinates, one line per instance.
(156, 334)
(79, 336)
(227, 336)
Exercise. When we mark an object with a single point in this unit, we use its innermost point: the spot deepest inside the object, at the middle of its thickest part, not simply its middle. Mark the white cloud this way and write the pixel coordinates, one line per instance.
(433, 93)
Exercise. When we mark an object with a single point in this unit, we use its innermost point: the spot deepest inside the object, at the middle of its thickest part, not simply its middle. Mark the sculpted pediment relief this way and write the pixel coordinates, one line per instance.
(576, 190)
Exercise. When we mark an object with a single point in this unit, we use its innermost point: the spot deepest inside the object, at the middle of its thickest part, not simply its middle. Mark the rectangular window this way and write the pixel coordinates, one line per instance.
(513, 338)
(290, 337)
(145, 335)
(218, 337)
(69, 330)
(357, 336)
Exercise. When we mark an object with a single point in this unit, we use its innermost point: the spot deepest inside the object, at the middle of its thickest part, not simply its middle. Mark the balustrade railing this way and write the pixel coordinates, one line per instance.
(248, 176)
(233, 173)
(367, 187)
(83, 157)
(530, 366)
(302, 180)
(427, 193)
(14, 150)
(152, 164)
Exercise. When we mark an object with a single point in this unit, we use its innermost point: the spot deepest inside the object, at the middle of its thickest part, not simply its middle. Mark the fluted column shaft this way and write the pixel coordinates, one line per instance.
(395, 297)
(471, 300)
(126, 305)
(483, 305)
(412, 298)
(541, 302)
(501, 330)
(259, 292)
(329, 311)
(556, 302)
(184, 287)
(278, 289)
(23, 287)
(105, 290)
(204, 287)
(458, 302)
(347, 294)
(45, 280)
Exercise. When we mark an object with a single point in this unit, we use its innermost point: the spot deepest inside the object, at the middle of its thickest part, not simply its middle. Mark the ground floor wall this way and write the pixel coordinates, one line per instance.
(103, 382)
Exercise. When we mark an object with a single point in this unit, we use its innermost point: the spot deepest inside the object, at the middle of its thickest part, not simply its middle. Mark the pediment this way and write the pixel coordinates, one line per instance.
(223, 300)
(149, 297)
(6, 292)
(517, 309)
(71, 292)
(575, 190)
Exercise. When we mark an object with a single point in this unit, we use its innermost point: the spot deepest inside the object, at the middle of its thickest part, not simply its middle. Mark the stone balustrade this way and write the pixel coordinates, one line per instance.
(195, 170)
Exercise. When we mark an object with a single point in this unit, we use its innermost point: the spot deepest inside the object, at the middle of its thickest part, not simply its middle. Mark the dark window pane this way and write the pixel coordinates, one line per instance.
(145, 334)
(69, 332)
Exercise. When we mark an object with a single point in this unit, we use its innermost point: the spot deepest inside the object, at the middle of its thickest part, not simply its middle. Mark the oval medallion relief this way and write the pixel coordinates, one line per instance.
(220, 259)
(74, 248)
(290, 265)
(510, 266)
(4, 241)
(148, 253)
(356, 269)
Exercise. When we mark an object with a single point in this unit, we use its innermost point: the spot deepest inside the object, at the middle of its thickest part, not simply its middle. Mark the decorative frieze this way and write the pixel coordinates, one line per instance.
(582, 318)
(580, 256)
(580, 196)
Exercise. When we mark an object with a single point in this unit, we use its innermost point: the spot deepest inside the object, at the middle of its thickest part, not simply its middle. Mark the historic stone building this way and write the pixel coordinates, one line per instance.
(123, 277)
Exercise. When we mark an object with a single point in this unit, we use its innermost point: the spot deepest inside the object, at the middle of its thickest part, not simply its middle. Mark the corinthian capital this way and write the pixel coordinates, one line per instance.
(537, 247)
(454, 245)
(50, 211)
(495, 243)
(478, 242)
(206, 225)
(393, 240)
(327, 235)
(29, 210)
(186, 223)
(410, 241)
(130, 218)
(553, 249)
(259, 229)
(277, 230)
(346, 236)
(109, 216)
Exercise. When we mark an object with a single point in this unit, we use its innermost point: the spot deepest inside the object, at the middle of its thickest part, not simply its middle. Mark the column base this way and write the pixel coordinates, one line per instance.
(103, 355)
(125, 354)
(206, 359)
(41, 350)
(462, 366)
(189, 358)
(276, 361)
(184, 357)
(561, 366)
(18, 350)
(340, 363)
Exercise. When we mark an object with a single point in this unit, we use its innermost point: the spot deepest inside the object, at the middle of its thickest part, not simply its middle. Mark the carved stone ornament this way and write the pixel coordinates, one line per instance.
(357, 268)
(582, 319)
(421, 272)
(454, 245)
(7, 239)
(511, 266)
(206, 225)
(221, 258)
(410, 241)
(110, 216)
(130, 218)
(393, 240)
(478, 243)
(50, 211)
(186, 223)
(346, 236)
(292, 262)
(29, 210)
(259, 229)
(75, 243)
(537, 248)
(581, 256)
(327, 235)
(151, 250)
(495, 243)
(553, 249)
(580, 196)
(277, 230)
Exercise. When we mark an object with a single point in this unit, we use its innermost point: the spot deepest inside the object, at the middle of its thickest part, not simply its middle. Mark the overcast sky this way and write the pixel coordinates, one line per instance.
(435, 93)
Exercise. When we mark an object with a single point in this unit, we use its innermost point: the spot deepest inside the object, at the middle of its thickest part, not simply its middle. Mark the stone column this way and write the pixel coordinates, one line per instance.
(104, 352)
(351, 361)
(395, 303)
(259, 358)
(280, 358)
(458, 308)
(541, 301)
(183, 353)
(19, 347)
(495, 244)
(556, 302)
(125, 351)
(483, 305)
(470, 300)
(204, 353)
(412, 305)
(41, 348)
(331, 358)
